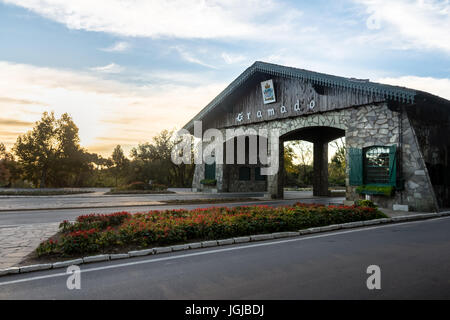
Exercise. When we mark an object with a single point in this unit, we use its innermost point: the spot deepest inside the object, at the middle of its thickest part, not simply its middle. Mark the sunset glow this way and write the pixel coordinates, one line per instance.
(124, 77)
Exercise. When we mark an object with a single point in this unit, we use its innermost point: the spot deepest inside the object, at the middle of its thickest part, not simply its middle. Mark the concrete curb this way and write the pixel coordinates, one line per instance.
(221, 242)
(180, 247)
(119, 256)
(67, 263)
(35, 267)
(100, 257)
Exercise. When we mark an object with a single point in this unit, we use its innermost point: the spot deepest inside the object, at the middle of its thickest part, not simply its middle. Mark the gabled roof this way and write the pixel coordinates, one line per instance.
(400, 94)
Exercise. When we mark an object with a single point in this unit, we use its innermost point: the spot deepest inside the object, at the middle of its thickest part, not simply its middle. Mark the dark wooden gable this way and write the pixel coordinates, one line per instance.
(294, 98)
(322, 92)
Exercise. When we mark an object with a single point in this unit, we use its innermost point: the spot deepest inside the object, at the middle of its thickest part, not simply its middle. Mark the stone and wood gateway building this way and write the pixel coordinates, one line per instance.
(397, 138)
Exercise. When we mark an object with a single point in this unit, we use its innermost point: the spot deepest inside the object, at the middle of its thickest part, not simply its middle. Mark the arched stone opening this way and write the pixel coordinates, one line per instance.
(319, 136)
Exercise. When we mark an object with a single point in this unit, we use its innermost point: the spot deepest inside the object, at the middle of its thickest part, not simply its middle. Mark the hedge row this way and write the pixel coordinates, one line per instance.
(100, 233)
(141, 186)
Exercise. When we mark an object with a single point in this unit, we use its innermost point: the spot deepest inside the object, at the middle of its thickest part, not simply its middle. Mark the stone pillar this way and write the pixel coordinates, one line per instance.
(219, 177)
(320, 180)
(199, 175)
(275, 183)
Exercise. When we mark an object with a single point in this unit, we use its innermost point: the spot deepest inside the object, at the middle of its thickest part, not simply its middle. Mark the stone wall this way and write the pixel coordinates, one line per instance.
(431, 125)
(364, 126)
(252, 185)
(377, 125)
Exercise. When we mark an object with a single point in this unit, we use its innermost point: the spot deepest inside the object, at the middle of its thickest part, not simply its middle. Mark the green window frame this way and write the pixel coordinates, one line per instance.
(374, 165)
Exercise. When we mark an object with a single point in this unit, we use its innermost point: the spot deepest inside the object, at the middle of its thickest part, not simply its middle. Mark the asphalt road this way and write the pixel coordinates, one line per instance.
(23, 217)
(414, 258)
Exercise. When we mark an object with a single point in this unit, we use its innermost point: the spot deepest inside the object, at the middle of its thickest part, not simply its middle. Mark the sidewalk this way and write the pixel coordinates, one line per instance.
(391, 213)
(16, 242)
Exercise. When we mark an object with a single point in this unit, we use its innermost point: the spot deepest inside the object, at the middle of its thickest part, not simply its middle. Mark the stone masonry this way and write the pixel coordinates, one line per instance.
(364, 126)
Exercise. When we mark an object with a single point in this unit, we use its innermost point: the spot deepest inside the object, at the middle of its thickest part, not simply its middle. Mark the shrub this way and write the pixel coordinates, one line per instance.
(83, 241)
(47, 247)
(387, 191)
(138, 185)
(209, 182)
(95, 233)
(366, 203)
(158, 187)
(141, 186)
(91, 221)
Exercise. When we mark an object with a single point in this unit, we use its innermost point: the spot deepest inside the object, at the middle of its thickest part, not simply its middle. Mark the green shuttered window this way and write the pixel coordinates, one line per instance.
(375, 165)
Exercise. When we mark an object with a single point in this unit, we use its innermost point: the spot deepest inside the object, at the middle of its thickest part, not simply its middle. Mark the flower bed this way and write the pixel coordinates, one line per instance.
(103, 233)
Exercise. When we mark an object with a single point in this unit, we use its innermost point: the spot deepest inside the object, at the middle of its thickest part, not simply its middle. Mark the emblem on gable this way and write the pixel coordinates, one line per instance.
(268, 92)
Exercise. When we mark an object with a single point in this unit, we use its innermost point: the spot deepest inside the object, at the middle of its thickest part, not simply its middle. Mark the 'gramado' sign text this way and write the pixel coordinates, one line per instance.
(268, 96)
(298, 108)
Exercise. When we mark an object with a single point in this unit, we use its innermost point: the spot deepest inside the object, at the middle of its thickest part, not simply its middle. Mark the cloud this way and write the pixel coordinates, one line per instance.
(10, 128)
(169, 77)
(110, 68)
(14, 123)
(232, 58)
(100, 107)
(120, 46)
(189, 57)
(410, 23)
(439, 87)
(12, 101)
(8, 138)
(176, 18)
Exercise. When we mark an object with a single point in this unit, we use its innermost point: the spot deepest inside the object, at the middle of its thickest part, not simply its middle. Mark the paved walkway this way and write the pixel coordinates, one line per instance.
(16, 242)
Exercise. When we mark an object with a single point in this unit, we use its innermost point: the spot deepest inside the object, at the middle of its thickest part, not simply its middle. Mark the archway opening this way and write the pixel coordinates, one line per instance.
(306, 152)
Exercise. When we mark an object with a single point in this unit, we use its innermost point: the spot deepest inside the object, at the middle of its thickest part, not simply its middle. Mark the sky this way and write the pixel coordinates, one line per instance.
(125, 70)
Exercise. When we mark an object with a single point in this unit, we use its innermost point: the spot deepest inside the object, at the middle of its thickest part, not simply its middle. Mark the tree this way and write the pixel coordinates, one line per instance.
(298, 163)
(5, 174)
(152, 161)
(336, 169)
(291, 169)
(50, 153)
(119, 162)
(10, 170)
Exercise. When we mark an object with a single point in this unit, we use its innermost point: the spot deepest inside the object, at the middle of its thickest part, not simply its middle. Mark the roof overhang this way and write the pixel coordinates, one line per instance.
(389, 92)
